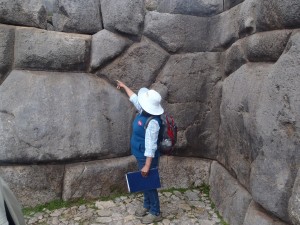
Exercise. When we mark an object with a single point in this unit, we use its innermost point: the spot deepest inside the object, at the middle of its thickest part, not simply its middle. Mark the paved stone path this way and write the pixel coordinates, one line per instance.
(190, 207)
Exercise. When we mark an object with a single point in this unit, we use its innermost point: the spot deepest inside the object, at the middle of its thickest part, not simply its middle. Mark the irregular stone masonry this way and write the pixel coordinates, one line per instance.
(189, 207)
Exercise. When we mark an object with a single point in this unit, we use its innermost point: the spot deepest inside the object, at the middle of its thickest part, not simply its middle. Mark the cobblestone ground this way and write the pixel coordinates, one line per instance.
(189, 207)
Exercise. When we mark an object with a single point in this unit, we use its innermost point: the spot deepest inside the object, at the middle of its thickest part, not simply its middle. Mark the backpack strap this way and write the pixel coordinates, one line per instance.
(147, 121)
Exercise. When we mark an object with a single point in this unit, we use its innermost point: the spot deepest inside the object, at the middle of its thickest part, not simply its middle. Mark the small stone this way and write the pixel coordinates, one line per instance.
(104, 213)
(82, 207)
(103, 219)
(77, 218)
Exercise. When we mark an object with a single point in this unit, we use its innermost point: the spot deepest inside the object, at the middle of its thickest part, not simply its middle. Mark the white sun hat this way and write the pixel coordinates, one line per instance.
(150, 101)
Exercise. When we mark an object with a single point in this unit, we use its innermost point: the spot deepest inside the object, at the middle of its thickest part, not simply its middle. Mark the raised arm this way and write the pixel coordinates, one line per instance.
(128, 91)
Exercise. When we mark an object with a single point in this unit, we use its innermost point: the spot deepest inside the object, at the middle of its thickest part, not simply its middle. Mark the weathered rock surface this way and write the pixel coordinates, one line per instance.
(231, 199)
(48, 50)
(231, 3)
(266, 46)
(273, 15)
(294, 202)
(274, 170)
(256, 215)
(234, 57)
(177, 33)
(77, 16)
(191, 7)
(61, 117)
(106, 46)
(97, 178)
(138, 66)
(192, 172)
(34, 184)
(23, 12)
(239, 142)
(229, 26)
(259, 47)
(125, 16)
(193, 90)
(7, 36)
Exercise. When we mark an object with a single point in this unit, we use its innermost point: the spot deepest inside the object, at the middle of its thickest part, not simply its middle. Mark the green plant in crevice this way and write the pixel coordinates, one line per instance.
(204, 188)
(55, 204)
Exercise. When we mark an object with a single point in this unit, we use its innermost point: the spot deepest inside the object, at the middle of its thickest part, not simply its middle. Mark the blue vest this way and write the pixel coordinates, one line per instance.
(138, 135)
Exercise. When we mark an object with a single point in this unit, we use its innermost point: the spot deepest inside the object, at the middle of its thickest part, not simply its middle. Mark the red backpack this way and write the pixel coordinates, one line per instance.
(167, 137)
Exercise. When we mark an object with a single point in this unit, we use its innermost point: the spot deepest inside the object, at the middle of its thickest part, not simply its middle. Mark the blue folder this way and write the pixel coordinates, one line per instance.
(136, 182)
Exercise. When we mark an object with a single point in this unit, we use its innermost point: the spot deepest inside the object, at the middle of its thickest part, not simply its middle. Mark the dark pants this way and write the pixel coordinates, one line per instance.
(151, 200)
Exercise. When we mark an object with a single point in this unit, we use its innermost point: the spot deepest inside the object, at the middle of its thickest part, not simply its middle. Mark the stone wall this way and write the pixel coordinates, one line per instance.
(227, 70)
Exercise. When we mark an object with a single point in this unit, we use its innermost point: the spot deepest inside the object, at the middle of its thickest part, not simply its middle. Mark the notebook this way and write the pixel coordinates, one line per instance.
(136, 182)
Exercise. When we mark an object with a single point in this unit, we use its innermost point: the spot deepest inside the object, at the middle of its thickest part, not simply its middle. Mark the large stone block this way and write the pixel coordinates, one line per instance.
(48, 50)
(256, 215)
(77, 16)
(192, 81)
(46, 117)
(34, 184)
(266, 46)
(106, 46)
(138, 66)
(191, 7)
(231, 199)
(277, 14)
(294, 202)
(97, 178)
(234, 57)
(227, 27)
(178, 33)
(239, 142)
(23, 12)
(274, 170)
(259, 47)
(7, 38)
(183, 172)
(125, 16)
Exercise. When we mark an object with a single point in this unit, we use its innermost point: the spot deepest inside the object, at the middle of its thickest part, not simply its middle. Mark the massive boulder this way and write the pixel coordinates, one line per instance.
(48, 50)
(239, 143)
(177, 33)
(277, 14)
(125, 16)
(48, 117)
(35, 184)
(97, 178)
(23, 12)
(259, 47)
(192, 81)
(77, 16)
(278, 114)
(192, 171)
(138, 66)
(266, 46)
(259, 134)
(106, 46)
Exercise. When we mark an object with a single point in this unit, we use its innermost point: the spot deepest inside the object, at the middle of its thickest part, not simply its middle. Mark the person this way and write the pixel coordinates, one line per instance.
(10, 209)
(144, 144)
